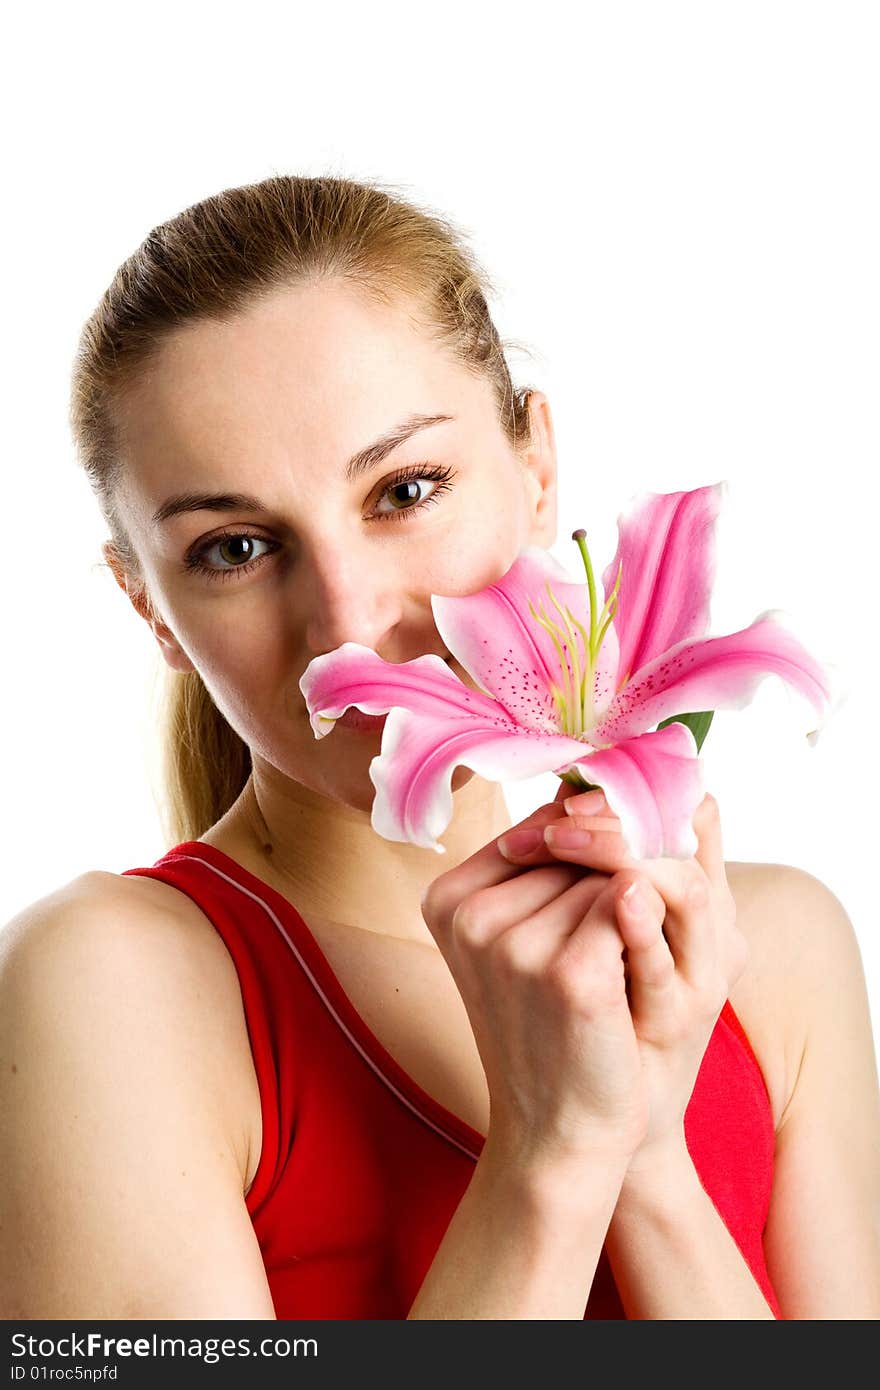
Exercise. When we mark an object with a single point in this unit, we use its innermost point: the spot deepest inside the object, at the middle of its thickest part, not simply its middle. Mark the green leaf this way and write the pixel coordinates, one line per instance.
(698, 723)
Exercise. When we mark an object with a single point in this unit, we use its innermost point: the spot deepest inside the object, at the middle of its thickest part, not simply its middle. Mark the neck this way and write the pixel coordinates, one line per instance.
(332, 863)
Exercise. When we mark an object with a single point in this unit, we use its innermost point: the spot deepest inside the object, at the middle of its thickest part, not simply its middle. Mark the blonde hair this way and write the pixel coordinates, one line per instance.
(209, 262)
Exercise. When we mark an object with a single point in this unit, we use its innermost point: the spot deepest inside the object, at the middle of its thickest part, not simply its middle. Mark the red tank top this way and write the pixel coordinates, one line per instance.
(361, 1170)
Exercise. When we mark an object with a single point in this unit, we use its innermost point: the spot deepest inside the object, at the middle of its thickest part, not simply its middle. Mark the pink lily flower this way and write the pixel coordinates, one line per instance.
(564, 687)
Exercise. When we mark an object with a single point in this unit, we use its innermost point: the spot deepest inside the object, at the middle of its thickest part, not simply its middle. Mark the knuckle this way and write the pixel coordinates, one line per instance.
(605, 989)
(713, 995)
(432, 905)
(439, 902)
(471, 919)
(566, 976)
(574, 988)
(579, 893)
(660, 967)
(696, 889)
(587, 975)
(664, 970)
(727, 909)
(517, 955)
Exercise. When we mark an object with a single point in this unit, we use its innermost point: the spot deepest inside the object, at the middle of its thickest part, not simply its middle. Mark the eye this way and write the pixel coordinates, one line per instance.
(196, 560)
(403, 489)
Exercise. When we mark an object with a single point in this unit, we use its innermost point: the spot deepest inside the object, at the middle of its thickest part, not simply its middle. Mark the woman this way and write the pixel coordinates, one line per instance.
(290, 1070)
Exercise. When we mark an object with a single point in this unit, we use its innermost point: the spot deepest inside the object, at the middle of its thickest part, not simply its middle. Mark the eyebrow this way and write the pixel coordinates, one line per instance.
(359, 463)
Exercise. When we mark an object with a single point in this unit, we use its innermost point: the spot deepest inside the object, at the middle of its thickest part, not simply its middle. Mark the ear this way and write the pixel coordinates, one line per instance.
(539, 463)
(139, 596)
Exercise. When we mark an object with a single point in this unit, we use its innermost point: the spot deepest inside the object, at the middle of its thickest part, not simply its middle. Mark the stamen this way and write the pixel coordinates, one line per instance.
(574, 701)
(588, 679)
(577, 680)
(611, 604)
(553, 629)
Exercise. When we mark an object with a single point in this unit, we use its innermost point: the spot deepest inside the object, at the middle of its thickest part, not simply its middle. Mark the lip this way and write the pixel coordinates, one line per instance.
(364, 723)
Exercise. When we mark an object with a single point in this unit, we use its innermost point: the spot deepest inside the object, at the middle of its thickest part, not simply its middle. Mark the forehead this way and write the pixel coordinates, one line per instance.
(317, 370)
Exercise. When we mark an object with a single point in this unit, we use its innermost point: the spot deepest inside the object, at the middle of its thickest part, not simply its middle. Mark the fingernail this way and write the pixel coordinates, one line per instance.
(520, 842)
(634, 898)
(566, 837)
(586, 803)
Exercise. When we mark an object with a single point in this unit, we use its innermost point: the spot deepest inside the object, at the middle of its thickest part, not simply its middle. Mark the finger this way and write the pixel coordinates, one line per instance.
(640, 913)
(706, 822)
(537, 938)
(486, 866)
(536, 820)
(690, 923)
(694, 890)
(481, 917)
(573, 798)
(707, 828)
(522, 844)
(582, 807)
(579, 803)
(590, 840)
(579, 926)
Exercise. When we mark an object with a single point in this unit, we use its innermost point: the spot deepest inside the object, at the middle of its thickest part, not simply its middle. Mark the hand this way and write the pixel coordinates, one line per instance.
(683, 948)
(538, 961)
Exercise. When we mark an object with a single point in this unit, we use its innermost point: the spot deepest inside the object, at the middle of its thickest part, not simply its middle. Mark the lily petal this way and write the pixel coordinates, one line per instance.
(654, 784)
(356, 675)
(508, 653)
(717, 673)
(413, 773)
(667, 547)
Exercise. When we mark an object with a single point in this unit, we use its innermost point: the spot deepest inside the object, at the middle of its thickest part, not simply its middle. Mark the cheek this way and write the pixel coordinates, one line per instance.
(247, 671)
(482, 546)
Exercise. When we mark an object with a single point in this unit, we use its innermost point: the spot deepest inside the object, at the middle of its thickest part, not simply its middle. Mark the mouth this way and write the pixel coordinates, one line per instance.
(356, 719)
(365, 723)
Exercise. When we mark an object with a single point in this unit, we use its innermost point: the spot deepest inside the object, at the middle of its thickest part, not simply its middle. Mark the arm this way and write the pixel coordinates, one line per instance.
(672, 1255)
(822, 1241)
(121, 1195)
(670, 1252)
(519, 1247)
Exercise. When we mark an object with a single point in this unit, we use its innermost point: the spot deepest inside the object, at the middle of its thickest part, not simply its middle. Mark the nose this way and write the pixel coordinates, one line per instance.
(352, 594)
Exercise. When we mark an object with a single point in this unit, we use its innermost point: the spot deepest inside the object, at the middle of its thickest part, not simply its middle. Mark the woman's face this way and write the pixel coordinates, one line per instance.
(276, 404)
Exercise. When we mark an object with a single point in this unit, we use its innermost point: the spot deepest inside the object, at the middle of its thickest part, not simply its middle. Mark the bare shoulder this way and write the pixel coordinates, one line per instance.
(122, 1191)
(101, 918)
(799, 935)
(138, 908)
(803, 1000)
(156, 946)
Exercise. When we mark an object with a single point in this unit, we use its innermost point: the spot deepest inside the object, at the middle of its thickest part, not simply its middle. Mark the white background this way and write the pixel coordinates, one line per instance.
(679, 205)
